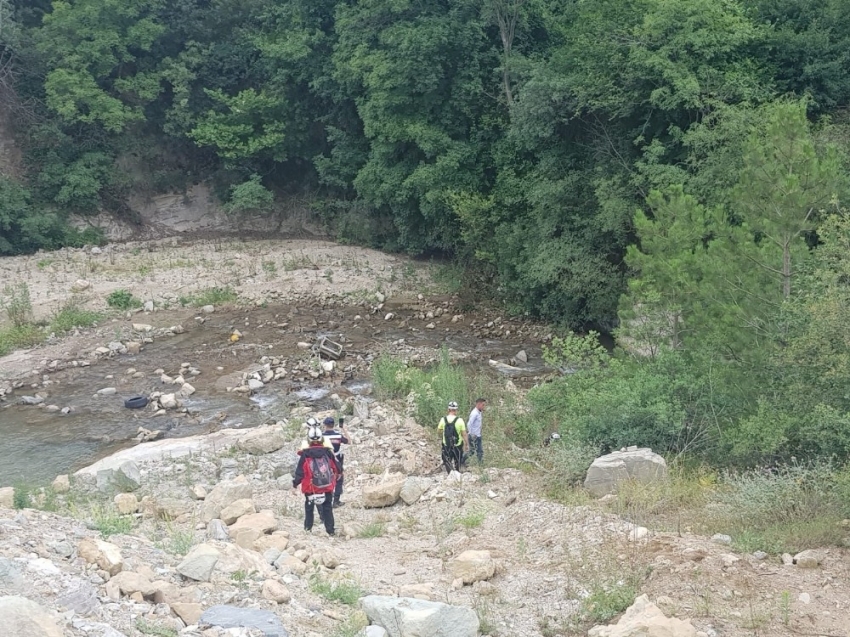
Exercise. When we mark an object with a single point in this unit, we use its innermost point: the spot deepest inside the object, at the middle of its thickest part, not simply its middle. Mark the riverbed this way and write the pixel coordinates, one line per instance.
(38, 442)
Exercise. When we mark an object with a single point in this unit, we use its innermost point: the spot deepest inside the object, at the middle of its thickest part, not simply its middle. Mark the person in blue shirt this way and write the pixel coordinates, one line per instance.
(337, 438)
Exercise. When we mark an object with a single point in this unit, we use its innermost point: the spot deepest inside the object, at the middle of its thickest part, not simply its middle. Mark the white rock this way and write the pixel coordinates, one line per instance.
(384, 494)
(805, 598)
(107, 391)
(473, 566)
(226, 493)
(186, 390)
(107, 556)
(199, 563)
(276, 592)
(169, 401)
(645, 619)
(719, 538)
(255, 384)
(80, 285)
(808, 559)
(262, 440)
(640, 465)
(142, 327)
(208, 309)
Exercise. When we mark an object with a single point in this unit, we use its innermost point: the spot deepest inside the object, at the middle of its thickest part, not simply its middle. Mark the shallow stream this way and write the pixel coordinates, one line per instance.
(37, 444)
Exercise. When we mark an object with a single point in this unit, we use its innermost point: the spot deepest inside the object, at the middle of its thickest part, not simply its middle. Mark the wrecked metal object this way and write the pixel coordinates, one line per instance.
(328, 348)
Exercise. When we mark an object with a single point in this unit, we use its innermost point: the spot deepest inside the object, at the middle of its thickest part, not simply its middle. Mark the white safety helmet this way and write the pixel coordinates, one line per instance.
(453, 405)
(312, 422)
(314, 433)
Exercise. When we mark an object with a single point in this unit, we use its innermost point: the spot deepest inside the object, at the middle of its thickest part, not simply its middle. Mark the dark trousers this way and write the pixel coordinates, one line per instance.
(323, 502)
(339, 480)
(476, 447)
(452, 458)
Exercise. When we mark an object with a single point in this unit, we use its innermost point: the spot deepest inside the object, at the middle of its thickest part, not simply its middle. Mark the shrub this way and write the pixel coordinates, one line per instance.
(392, 378)
(213, 296)
(250, 196)
(345, 592)
(436, 388)
(18, 305)
(71, 316)
(16, 337)
(787, 508)
(122, 300)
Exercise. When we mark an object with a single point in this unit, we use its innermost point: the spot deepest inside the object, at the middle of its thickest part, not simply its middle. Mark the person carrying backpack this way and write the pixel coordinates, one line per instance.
(317, 472)
(337, 439)
(455, 441)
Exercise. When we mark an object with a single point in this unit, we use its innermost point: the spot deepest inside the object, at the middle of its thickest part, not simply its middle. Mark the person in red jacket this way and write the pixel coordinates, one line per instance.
(317, 473)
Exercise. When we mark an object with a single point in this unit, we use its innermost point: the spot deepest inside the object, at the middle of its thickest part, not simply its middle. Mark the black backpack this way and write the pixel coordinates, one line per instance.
(450, 432)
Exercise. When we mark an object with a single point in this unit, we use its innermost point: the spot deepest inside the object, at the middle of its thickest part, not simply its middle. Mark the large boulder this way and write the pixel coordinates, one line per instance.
(24, 618)
(129, 583)
(236, 510)
(383, 494)
(262, 440)
(404, 616)
(233, 617)
(225, 494)
(413, 488)
(645, 619)
(473, 566)
(199, 563)
(262, 522)
(107, 556)
(640, 465)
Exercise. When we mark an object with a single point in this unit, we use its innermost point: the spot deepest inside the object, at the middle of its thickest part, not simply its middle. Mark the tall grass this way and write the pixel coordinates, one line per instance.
(71, 316)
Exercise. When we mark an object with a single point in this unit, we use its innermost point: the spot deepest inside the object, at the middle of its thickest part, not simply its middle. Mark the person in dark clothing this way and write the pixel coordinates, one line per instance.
(454, 439)
(337, 438)
(317, 473)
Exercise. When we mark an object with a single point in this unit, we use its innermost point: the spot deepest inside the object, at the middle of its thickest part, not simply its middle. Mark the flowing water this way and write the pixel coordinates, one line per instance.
(37, 444)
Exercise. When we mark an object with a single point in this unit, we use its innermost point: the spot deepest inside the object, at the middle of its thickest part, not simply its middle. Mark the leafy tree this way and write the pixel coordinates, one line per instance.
(95, 49)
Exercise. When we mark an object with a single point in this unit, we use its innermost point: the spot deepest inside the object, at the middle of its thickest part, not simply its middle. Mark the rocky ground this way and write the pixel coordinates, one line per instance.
(188, 537)
(223, 528)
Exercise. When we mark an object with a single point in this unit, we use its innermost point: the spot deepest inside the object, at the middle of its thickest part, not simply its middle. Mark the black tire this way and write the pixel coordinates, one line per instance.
(136, 402)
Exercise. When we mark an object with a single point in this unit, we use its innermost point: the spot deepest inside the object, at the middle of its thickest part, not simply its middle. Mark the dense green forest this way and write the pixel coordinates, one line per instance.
(672, 169)
(518, 136)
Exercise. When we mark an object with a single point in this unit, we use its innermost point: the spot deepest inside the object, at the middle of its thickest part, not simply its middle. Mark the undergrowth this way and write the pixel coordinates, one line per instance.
(345, 592)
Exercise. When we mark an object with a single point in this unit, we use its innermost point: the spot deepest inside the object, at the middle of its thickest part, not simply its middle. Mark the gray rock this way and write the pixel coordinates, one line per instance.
(217, 530)
(521, 356)
(383, 494)
(82, 599)
(719, 538)
(224, 494)
(404, 616)
(254, 384)
(199, 563)
(31, 400)
(107, 391)
(24, 618)
(262, 440)
(271, 555)
(11, 578)
(128, 477)
(639, 465)
(233, 617)
(62, 548)
(413, 488)
(104, 479)
(374, 631)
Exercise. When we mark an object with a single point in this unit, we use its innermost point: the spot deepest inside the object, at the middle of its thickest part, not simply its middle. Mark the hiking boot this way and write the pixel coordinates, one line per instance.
(338, 504)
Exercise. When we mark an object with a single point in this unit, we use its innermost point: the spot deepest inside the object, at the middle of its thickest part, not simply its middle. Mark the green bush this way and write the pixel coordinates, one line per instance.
(71, 316)
(345, 592)
(16, 301)
(122, 300)
(212, 296)
(434, 389)
(17, 337)
(391, 377)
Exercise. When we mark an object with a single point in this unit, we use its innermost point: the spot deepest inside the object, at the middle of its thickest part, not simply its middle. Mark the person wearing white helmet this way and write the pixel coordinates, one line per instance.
(308, 424)
(454, 439)
(316, 474)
